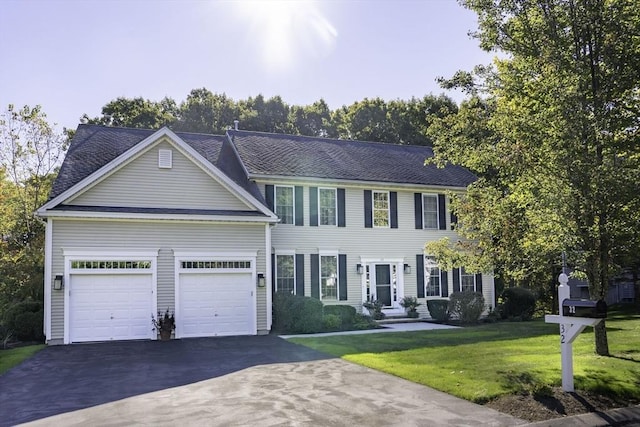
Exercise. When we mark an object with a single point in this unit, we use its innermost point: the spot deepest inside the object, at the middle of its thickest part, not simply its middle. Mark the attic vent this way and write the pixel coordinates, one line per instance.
(165, 159)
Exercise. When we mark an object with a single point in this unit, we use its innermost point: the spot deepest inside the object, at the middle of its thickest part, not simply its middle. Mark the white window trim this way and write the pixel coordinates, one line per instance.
(475, 285)
(424, 225)
(399, 262)
(275, 267)
(335, 206)
(293, 202)
(93, 254)
(337, 255)
(427, 278)
(373, 208)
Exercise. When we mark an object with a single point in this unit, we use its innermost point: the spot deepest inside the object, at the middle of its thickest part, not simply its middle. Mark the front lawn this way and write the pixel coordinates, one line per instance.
(484, 362)
(15, 356)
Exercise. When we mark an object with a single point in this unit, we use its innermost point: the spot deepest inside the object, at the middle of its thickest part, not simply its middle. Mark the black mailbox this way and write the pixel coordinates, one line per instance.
(584, 308)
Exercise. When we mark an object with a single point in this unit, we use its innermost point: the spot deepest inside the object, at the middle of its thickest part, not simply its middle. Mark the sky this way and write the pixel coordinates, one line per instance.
(74, 56)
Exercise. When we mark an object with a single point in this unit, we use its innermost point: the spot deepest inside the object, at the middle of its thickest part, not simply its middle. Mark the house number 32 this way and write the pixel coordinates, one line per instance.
(562, 332)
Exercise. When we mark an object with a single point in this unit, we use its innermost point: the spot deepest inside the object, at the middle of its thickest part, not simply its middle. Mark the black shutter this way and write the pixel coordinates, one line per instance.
(298, 196)
(368, 213)
(456, 280)
(420, 274)
(393, 200)
(442, 212)
(342, 221)
(313, 206)
(417, 203)
(444, 283)
(273, 273)
(269, 195)
(342, 276)
(315, 276)
(479, 282)
(300, 274)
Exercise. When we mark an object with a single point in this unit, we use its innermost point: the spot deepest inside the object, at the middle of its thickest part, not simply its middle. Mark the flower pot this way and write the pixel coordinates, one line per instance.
(165, 335)
(412, 314)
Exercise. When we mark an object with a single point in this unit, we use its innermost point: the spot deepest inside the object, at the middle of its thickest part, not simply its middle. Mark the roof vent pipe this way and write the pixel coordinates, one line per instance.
(236, 122)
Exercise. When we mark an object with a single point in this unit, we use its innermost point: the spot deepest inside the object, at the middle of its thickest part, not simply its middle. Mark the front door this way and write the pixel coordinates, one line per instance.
(384, 289)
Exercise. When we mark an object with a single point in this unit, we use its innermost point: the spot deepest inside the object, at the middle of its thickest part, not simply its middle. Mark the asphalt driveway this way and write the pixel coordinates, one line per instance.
(260, 380)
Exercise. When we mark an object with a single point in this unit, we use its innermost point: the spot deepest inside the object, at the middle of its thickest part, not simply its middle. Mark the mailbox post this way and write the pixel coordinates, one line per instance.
(571, 326)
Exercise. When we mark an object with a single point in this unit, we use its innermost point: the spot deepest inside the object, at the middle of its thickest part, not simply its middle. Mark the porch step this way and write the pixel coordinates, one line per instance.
(399, 319)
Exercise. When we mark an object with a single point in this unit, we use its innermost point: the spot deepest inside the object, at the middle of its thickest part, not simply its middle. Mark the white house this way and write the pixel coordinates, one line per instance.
(211, 225)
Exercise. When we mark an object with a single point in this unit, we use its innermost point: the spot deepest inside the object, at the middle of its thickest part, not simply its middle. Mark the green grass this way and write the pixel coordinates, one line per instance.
(483, 362)
(15, 356)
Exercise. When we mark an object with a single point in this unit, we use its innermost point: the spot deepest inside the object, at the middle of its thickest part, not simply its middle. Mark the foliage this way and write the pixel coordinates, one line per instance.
(517, 303)
(30, 152)
(165, 322)
(346, 314)
(411, 304)
(375, 308)
(439, 310)
(467, 307)
(525, 358)
(24, 321)
(296, 314)
(554, 141)
(15, 356)
(331, 322)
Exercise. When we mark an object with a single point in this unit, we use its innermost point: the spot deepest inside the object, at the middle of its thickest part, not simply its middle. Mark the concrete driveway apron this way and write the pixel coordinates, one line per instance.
(239, 381)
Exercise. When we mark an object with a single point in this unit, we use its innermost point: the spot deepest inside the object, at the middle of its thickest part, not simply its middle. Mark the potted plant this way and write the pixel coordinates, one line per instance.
(375, 308)
(164, 324)
(410, 304)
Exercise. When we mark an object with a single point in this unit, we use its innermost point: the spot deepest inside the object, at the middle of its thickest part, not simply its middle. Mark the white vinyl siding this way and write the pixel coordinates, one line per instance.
(285, 204)
(430, 211)
(142, 184)
(165, 237)
(380, 208)
(327, 206)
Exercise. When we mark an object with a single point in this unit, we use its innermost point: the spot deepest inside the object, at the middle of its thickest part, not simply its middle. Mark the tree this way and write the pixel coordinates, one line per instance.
(30, 152)
(137, 113)
(563, 131)
(206, 112)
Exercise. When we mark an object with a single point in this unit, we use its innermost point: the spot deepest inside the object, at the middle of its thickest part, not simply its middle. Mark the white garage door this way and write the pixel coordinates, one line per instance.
(106, 307)
(216, 304)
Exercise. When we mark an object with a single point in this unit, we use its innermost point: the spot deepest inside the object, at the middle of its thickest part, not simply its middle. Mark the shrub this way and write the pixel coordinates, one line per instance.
(24, 321)
(362, 322)
(410, 303)
(517, 303)
(375, 309)
(296, 314)
(439, 309)
(346, 313)
(466, 306)
(331, 322)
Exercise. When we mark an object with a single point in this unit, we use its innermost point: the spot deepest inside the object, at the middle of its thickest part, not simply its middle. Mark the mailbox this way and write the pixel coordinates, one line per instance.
(584, 308)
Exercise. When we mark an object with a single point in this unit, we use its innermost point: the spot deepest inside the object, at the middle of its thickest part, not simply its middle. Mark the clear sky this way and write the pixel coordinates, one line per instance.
(74, 56)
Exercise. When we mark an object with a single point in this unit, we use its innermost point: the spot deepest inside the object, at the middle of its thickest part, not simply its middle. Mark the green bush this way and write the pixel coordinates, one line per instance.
(331, 322)
(466, 306)
(346, 313)
(438, 309)
(375, 309)
(362, 322)
(24, 321)
(295, 314)
(517, 303)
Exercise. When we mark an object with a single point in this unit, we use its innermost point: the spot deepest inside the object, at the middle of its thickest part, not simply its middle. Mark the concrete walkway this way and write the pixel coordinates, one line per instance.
(389, 327)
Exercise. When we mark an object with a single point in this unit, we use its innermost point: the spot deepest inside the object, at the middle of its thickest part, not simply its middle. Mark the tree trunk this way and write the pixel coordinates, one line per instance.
(602, 344)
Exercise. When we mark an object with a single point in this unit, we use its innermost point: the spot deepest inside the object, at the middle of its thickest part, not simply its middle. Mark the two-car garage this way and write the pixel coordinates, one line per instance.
(112, 297)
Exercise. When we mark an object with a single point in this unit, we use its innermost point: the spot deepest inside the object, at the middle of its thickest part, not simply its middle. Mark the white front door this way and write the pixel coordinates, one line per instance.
(384, 281)
(216, 304)
(105, 307)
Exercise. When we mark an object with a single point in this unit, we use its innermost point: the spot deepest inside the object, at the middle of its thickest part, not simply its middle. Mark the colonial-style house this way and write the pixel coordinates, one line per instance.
(212, 225)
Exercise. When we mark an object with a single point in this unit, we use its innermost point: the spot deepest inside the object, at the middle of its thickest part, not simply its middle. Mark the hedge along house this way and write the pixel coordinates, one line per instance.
(211, 226)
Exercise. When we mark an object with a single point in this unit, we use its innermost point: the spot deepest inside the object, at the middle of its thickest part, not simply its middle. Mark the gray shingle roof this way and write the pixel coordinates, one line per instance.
(301, 156)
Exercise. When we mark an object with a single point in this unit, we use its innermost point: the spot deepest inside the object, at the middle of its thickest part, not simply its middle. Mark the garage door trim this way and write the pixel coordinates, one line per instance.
(216, 258)
(92, 254)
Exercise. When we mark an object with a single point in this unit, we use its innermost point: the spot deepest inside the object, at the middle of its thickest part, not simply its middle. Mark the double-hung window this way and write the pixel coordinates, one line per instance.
(329, 277)
(284, 202)
(285, 274)
(467, 281)
(381, 209)
(432, 277)
(327, 202)
(430, 211)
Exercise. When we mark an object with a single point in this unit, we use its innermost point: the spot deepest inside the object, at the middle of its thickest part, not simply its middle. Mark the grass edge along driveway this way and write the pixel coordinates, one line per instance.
(15, 356)
(483, 362)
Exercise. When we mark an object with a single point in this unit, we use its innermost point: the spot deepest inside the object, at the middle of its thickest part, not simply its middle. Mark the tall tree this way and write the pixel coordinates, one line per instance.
(206, 112)
(30, 152)
(565, 119)
(137, 113)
